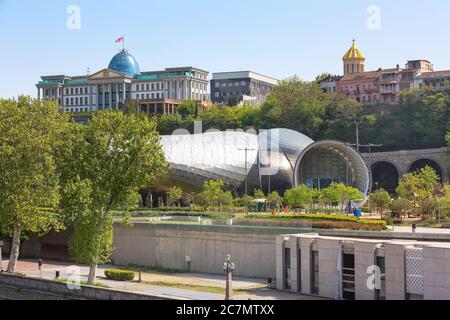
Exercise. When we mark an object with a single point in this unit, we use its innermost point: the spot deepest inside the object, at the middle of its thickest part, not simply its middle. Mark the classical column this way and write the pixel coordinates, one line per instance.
(57, 96)
(175, 83)
(103, 97)
(90, 97)
(124, 96)
(39, 93)
(97, 94)
(110, 96)
(117, 96)
(62, 97)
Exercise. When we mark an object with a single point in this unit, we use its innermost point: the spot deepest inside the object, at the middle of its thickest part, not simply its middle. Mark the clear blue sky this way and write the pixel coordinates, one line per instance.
(278, 38)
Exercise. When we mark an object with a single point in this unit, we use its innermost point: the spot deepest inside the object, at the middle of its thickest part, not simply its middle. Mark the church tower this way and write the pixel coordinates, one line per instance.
(354, 60)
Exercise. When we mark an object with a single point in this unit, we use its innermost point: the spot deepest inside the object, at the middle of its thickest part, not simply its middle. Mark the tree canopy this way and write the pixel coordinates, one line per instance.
(30, 135)
(102, 168)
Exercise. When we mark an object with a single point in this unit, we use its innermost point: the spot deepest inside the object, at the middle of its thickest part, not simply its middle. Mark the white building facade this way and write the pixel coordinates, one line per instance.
(122, 81)
(363, 269)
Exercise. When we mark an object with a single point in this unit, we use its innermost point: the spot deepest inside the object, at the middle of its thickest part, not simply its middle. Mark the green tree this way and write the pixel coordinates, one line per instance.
(225, 199)
(103, 167)
(247, 201)
(429, 207)
(322, 76)
(444, 201)
(30, 132)
(418, 185)
(381, 200)
(401, 206)
(213, 194)
(259, 194)
(174, 195)
(344, 194)
(187, 108)
(275, 200)
(329, 197)
(299, 198)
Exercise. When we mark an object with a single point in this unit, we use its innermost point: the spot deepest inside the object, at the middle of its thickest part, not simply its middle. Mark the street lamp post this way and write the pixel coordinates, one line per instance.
(229, 267)
(357, 134)
(246, 149)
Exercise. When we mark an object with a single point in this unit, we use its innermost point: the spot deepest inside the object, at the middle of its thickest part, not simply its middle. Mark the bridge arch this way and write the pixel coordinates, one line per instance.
(385, 175)
(422, 163)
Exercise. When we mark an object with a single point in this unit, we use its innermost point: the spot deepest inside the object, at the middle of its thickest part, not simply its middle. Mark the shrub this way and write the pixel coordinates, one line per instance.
(336, 225)
(321, 217)
(119, 275)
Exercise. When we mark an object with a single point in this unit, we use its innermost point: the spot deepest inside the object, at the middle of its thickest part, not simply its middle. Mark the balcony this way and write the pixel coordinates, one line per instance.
(388, 80)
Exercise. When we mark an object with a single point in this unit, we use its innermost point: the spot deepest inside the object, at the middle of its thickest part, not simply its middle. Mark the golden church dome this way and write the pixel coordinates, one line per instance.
(353, 53)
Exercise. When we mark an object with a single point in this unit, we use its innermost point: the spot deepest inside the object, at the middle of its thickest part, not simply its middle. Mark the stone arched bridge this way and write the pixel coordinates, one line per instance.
(388, 167)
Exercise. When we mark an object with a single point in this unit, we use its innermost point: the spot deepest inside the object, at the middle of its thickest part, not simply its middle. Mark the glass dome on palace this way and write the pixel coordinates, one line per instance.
(274, 160)
(125, 63)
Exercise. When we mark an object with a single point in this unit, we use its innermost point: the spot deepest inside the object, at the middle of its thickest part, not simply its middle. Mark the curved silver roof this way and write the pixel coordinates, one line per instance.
(268, 161)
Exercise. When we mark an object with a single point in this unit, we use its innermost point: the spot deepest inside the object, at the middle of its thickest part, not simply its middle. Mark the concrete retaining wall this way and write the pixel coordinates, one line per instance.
(14, 287)
(168, 246)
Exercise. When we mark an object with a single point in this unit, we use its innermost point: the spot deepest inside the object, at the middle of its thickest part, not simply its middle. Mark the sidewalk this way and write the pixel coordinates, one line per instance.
(175, 286)
(421, 230)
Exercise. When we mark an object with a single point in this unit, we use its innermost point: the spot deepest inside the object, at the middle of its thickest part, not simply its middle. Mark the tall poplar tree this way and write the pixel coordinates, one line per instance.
(30, 135)
(102, 167)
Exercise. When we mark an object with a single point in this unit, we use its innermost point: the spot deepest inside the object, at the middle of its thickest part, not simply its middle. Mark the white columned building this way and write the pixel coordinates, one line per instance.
(155, 92)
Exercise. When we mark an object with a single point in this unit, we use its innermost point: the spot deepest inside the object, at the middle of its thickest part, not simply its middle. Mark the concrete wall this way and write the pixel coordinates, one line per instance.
(14, 287)
(436, 267)
(395, 271)
(328, 260)
(364, 258)
(166, 246)
(414, 269)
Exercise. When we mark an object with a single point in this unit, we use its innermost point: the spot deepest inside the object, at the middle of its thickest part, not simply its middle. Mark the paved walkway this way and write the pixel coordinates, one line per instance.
(421, 230)
(254, 289)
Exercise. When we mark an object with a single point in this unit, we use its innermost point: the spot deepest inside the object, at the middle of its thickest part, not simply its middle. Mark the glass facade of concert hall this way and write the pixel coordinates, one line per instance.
(274, 160)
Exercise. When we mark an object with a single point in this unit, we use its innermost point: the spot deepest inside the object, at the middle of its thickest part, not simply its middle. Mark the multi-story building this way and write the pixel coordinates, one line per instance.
(329, 83)
(232, 88)
(156, 92)
(379, 86)
(438, 80)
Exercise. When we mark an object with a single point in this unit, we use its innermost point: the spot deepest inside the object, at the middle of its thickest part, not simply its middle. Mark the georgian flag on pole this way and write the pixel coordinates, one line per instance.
(121, 40)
